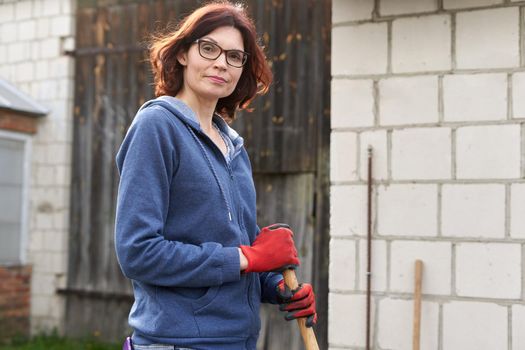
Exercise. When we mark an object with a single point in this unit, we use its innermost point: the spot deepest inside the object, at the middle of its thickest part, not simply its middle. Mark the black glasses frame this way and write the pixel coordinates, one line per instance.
(221, 50)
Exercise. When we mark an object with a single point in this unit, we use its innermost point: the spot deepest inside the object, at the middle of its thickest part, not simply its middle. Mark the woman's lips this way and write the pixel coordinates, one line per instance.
(217, 79)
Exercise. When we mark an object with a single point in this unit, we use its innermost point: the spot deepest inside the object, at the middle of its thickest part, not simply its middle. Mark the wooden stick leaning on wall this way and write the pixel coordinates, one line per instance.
(418, 276)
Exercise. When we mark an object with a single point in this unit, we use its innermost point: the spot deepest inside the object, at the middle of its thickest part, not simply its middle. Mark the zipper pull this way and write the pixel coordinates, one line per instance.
(230, 215)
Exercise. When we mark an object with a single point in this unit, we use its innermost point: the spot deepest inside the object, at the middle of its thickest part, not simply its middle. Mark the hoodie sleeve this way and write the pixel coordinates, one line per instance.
(269, 282)
(146, 161)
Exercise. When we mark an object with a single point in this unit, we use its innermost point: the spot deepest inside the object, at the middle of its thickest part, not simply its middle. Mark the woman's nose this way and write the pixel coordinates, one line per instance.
(221, 60)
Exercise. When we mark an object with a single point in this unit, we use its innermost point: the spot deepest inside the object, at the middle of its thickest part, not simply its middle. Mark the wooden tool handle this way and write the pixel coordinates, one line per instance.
(417, 304)
(310, 342)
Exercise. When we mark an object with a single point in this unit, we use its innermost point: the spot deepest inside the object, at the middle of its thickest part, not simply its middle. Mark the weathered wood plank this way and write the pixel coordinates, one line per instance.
(287, 199)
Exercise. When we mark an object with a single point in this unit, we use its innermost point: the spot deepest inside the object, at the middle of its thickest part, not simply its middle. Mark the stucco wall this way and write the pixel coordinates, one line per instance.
(437, 88)
(33, 38)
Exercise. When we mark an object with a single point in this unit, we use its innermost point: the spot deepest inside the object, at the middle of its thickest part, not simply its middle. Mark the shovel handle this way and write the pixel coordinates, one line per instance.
(310, 342)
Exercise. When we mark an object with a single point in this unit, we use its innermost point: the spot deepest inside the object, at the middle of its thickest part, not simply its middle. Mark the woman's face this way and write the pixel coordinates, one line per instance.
(212, 79)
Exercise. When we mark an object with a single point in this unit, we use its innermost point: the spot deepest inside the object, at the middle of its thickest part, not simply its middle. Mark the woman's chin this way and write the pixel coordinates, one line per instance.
(216, 93)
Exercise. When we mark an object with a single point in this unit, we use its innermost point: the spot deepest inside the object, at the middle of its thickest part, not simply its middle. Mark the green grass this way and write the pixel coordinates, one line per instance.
(54, 342)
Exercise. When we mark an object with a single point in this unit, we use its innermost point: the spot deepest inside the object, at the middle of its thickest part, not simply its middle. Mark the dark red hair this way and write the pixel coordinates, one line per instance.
(167, 71)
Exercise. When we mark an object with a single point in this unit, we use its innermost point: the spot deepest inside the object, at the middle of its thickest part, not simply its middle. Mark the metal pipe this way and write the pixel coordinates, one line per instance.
(369, 248)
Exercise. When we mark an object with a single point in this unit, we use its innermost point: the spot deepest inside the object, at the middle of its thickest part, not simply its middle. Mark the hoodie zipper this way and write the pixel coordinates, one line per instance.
(223, 194)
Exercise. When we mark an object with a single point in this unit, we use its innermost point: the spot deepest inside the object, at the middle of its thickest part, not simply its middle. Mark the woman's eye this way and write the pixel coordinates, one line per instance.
(208, 48)
(236, 56)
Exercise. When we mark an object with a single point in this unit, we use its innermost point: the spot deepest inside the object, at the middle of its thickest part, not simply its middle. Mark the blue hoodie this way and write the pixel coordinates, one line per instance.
(183, 210)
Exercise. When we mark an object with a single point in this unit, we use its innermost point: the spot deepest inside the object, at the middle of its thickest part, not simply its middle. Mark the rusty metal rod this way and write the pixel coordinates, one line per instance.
(369, 248)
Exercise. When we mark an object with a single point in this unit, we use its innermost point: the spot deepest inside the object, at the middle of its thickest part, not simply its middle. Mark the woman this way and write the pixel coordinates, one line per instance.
(186, 232)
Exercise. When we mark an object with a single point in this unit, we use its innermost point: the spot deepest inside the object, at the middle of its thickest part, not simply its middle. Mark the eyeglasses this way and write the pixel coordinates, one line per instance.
(212, 51)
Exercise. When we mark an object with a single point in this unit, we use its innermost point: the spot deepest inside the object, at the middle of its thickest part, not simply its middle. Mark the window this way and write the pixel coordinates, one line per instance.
(14, 183)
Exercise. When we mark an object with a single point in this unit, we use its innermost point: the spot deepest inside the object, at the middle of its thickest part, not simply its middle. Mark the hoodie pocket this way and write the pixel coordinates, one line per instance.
(206, 299)
(226, 313)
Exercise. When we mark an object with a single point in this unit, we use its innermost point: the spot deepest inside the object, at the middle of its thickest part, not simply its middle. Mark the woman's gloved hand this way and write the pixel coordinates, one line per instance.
(272, 250)
(297, 303)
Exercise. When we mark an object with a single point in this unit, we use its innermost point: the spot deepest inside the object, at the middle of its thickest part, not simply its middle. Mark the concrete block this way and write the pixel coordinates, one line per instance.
(342, 264)
(46, 90)
(398, 7)
(59, 154)
(18, 52)
(52, 8)
(473, 210)
(8, 33)
(40, 305)
(360, 49)
(411, 100)
(50, 48)
(24, 72)
(58, 304)
(63, 131)
(518, 325)
(68, 7)
(35, 51)
(517, 208)
(491, 270)
(6, 71)
(396, 218)
(65, 88)
(470, 325)
(518, 91)
(460, 4)
(351, 10)
(35, 241)
(474, 97)
(395, 324)
(26, 30)
(42, 284)
(478, 159)
(436, 257)
(379, 265)
(352, 103)
(38, 9)
(346, 312)
(7, 13)
(348, 210)
(343, 156)
(42, 70)
(421, 153)
(475, 29)
(62, 26)
(43, 27)
(55, 242)
(43, 262)
(378, 141)
(61, 220)
(63, 173)
(61, 67)
(421, 44)
(45, 175)
(44, 221)
(23, 10)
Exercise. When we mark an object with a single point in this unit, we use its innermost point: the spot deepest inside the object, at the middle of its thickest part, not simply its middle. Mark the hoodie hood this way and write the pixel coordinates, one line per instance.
(182, 111)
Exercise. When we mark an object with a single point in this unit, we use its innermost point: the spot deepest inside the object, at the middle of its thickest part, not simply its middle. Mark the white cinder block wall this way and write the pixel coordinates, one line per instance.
(437, 88)
(33, 37)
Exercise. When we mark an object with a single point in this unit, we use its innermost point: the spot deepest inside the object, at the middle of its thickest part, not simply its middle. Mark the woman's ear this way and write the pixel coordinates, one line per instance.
(182, 57)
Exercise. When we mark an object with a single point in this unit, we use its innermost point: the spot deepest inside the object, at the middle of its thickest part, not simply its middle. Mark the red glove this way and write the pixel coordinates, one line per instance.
(299, 302)
(272, 250)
